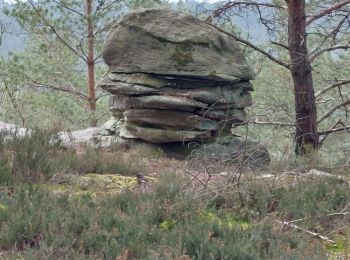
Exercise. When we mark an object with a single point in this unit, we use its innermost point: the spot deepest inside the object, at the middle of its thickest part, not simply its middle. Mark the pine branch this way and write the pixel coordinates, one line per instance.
(53, 29)
(327, 11)
(68, 8)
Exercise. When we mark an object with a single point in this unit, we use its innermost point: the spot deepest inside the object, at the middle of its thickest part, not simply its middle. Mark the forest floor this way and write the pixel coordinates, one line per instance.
(137, 203)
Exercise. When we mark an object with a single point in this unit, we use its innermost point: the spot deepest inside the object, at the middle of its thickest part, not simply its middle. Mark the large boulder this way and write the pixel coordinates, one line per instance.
(177, 83)
(168, 42)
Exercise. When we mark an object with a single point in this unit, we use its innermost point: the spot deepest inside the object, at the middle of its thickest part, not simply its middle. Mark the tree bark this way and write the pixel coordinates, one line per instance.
(307, 140)
(90, 58)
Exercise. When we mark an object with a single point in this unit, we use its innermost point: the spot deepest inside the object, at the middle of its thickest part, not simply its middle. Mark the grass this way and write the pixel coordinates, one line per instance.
(169, 221)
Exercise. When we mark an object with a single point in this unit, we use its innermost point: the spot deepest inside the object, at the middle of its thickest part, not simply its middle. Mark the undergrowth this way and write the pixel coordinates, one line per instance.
(171, 220)
(40, 154)
(164, 224)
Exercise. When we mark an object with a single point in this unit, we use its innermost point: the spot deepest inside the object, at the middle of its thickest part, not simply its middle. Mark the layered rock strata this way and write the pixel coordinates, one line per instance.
(173, 78)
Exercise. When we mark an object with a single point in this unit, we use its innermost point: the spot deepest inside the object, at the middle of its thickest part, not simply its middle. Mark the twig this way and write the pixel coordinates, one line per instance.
(281, 124)
(288, 224)
(328, 215)
(195, 177)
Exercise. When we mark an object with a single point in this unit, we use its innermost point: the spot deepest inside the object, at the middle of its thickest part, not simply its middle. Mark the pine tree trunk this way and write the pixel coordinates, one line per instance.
(307, 140)
(90, 58)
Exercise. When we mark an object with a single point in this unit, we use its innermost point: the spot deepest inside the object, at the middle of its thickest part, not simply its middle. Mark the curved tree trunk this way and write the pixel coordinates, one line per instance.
(306, 136)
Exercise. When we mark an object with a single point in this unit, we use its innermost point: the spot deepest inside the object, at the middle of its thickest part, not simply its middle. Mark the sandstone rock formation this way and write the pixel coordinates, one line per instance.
(173, 78)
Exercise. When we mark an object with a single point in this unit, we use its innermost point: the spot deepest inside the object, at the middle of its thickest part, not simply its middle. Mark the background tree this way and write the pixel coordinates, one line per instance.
(64, 42)
(322, 26)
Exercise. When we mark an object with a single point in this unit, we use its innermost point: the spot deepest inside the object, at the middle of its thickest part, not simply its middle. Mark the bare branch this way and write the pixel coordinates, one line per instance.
(281, 45)
(332, 110)
(280, 124)
(334, 130)
(254, 47)
(333, 48)
(231, 4)
(327, 134)
(326, 12)
(71, 91)
(332, 86)
(63, 89)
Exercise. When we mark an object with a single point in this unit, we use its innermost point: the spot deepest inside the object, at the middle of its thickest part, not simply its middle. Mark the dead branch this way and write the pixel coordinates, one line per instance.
(327, 134)
(334, 130)
(231, 4)
(281, 124)
(326, 11)
(331, 86)
(288, 224)
(254, 47)
(280, 45)
(328, 215)
(332, 110)
(333, 48)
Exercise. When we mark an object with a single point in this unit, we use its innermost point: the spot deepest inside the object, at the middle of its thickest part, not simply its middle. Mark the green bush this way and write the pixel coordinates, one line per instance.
(33, 154)
(39, 154)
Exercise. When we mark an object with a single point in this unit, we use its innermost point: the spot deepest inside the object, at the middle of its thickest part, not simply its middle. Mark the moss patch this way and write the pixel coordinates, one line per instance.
(183, 55)
(96, 185)
(226, 220)
(341, 249)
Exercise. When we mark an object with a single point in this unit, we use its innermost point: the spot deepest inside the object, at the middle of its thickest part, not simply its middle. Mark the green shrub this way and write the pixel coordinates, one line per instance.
(39, 154)
(30, 156)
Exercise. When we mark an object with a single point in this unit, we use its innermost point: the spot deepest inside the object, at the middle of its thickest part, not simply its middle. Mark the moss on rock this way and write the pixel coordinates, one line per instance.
(183, 55)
